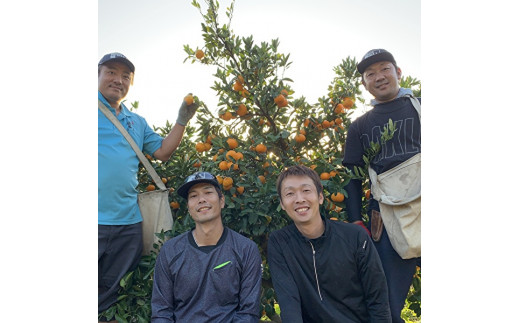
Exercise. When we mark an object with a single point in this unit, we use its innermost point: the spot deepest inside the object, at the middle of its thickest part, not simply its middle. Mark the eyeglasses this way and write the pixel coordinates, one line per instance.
(199, 175)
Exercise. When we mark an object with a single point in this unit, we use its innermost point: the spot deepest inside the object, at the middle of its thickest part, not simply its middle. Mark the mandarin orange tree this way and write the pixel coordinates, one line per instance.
(258, 128)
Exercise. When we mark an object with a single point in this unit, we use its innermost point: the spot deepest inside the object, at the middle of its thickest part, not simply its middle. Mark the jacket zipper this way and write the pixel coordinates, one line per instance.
(315, 272)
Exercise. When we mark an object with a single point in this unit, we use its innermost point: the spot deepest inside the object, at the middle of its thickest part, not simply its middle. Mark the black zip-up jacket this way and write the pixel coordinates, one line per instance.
(337, 277)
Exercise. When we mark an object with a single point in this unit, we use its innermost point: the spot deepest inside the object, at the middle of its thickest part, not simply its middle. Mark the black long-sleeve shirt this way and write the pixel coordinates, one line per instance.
(337, 277)
(405, 143)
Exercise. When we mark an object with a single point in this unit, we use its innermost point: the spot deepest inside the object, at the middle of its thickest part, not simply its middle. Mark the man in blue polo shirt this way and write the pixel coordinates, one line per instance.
(119, 218)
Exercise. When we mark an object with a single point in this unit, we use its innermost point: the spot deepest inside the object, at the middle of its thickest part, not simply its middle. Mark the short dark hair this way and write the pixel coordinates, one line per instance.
(298, 170)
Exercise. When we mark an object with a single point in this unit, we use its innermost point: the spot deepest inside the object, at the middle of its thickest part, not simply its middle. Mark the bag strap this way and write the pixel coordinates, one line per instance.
(132, 143)
(416, 104)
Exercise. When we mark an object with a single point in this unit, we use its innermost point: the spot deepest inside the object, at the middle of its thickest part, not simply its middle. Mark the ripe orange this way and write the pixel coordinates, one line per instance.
(174, 205)
(238, 86)
(325, 124)
(197, 164)
(339, 109)
(300, 138)
(284, 92)
(262, 178)
(242, 110)
(338, 121)
(306, 122)
(188, 99)
(303, 132)
(240, 190)
(348, 102)
(313, 166)
(172, 190)
(238, 156)
(240, 79)
(226, 116)
(215, 157)
(367, 194)
(150, 187)
(210, 138)
(223, 165)
(200, 147)
(325, 176)
(219, 179)
(337, 197)
(164, 180)
(207, 146)
(227, 181)
(260, 148)
(233, 143)
(333, 173)
(265, 165)
(231, 153)
(199, 53)
(279, 100)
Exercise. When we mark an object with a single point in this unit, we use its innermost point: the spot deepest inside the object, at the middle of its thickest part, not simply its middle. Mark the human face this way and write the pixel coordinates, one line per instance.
(204, 204)
(381, 79)
(114, 80)
(300, 199)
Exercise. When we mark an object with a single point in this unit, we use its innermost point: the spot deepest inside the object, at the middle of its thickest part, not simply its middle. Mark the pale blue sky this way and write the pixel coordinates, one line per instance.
(317, 34)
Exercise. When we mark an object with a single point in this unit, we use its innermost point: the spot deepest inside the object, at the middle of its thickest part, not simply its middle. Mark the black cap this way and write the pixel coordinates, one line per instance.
(195, 178)
(117, 57)
(374, 56)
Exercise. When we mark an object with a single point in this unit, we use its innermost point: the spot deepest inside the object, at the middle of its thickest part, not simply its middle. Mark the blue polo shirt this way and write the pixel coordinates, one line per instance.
(118, 165)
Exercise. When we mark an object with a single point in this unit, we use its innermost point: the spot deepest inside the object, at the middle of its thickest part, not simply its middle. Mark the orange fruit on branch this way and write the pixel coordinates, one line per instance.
(226, 116)
(299, 138)
(238, 86)
(232, 143)
(242, 110)
(348, 102)
(200, 147)
(337, 197)
(325, 176)
(339, 109)
(199, 53)
(227, 181)
(223, 165)
(260, 148)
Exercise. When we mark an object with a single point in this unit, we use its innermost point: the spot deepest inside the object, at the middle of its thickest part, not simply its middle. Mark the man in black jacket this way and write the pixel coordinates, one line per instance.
(322, 270)
(380, 76)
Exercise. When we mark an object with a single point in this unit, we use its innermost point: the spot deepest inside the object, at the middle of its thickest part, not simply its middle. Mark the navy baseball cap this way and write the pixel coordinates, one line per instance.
(374, 56)
(196, 178)
(118, 57)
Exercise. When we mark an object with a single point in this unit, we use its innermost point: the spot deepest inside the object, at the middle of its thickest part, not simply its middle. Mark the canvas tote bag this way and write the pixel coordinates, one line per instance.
(154, 206)
(398, 192)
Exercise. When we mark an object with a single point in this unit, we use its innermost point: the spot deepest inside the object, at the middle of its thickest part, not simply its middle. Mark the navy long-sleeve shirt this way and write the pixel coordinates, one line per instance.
(207, 284)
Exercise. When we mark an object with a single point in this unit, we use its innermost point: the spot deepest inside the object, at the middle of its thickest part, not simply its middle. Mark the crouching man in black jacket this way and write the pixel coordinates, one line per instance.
(322, 270)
